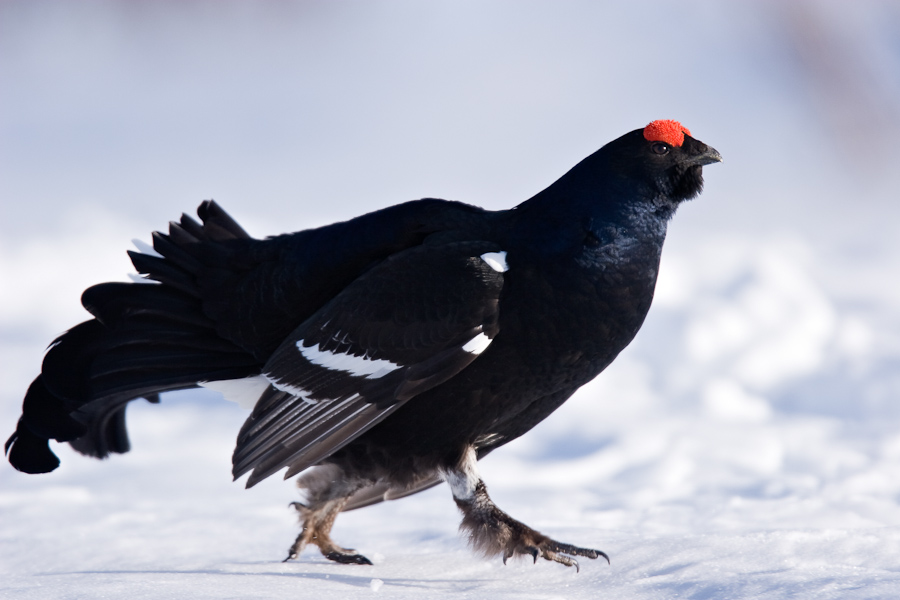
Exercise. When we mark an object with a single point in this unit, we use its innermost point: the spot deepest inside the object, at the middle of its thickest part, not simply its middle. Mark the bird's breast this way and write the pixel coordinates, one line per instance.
(576, 313)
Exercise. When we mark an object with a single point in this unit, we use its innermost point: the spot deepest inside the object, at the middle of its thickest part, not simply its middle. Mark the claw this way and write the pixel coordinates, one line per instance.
(535, 553)
(290, 556)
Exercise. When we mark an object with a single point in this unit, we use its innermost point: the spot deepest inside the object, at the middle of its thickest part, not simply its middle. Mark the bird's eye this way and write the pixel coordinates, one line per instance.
(660, 148)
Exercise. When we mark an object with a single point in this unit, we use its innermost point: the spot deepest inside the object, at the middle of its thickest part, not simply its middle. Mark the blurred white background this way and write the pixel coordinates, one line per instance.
(750, 434)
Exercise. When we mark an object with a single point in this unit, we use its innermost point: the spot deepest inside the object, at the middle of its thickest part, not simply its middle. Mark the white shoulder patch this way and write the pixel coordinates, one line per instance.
(477, 344)
(496, 261)
(244, 391)
(372, 368)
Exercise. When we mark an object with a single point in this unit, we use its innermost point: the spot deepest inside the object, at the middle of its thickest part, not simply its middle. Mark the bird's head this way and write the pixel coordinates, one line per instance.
(666, 156)
(648, 171)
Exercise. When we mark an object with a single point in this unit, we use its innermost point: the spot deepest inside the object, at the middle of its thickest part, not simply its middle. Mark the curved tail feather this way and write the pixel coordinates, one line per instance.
(143, 340)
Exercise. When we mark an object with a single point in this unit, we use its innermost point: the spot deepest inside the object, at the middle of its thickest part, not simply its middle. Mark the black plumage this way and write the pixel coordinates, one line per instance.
(389, 352)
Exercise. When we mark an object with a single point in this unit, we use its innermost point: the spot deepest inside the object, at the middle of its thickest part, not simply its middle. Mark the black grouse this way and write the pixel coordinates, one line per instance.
(384, 354)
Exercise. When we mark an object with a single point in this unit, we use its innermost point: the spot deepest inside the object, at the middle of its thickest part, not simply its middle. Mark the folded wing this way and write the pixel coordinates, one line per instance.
(407, 325)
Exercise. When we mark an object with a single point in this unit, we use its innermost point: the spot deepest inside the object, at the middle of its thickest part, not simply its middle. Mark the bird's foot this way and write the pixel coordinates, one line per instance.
(317, 529)
(493, 532)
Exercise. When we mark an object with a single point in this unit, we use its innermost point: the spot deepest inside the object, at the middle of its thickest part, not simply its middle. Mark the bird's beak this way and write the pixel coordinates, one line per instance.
(707, 156)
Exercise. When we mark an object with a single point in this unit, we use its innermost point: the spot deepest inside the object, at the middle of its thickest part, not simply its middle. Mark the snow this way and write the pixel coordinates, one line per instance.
(746, 445)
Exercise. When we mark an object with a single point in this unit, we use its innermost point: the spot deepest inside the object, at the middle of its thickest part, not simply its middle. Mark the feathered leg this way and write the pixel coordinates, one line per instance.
(327, 492)
(492, 531)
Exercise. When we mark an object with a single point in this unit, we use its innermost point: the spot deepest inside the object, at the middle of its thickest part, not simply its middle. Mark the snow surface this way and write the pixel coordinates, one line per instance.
(746, 445)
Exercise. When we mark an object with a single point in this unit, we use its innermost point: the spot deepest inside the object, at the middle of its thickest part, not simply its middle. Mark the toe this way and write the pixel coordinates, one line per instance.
(571, 550)
(563, 560)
